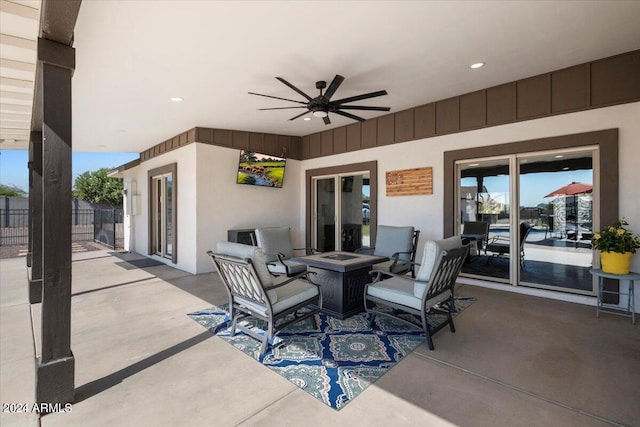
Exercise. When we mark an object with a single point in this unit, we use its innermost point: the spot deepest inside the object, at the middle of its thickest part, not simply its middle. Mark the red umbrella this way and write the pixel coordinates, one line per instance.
(572, 189)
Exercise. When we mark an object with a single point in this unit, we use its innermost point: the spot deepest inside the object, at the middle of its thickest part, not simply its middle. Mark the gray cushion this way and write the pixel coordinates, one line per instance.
(273, 240)
(294, 267)
(400, 267)
(390, 240)
(288, 296)
(401, 292)
(432, 249)
(256, 255)
(395, 290)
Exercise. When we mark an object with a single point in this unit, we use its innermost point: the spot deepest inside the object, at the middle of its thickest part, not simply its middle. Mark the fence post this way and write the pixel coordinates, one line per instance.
(113, 213)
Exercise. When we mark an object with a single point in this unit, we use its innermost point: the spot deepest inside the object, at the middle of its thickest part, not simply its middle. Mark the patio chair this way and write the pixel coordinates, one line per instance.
(399, 244)
(476, 231)
(253, 292)
(433, 288)
(278, 250)
(499, 245)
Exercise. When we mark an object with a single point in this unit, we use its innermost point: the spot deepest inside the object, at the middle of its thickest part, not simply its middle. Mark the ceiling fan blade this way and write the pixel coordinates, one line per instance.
(300, 115)
(275, 97)
(326, 120)
(349, 115)
(360, 107)
(294, 88)
(360, 97)
(333, 87)
(281, 108)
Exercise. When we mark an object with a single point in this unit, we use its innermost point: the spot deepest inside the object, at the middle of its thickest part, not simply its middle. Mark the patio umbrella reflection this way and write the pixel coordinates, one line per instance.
(572, 189)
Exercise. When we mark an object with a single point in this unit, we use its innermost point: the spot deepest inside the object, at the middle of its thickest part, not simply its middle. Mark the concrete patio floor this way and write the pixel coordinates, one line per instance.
(515, 360)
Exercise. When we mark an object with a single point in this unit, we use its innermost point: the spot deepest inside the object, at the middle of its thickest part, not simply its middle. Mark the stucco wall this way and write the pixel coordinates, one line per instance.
(222, 204)
(425, 212)
(210, 202)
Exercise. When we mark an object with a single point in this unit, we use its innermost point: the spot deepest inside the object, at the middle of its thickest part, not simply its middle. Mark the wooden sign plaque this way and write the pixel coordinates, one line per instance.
(409, 182)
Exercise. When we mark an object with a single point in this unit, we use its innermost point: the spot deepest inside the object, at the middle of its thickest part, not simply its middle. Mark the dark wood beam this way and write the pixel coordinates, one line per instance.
(35, 217)
(51, 116)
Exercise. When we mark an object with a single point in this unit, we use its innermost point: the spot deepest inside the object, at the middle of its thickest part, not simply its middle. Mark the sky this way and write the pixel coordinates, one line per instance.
(13, 165)
(534, 186)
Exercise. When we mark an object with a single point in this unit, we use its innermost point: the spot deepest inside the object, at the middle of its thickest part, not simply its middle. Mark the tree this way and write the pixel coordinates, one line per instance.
(11, 191)
(97, 187)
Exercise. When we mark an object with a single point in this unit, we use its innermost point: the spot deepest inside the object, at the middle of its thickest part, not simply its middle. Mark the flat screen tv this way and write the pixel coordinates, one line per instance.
(260, 169)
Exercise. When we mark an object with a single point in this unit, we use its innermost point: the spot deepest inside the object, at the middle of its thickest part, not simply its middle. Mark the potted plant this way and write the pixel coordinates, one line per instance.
(616, 245)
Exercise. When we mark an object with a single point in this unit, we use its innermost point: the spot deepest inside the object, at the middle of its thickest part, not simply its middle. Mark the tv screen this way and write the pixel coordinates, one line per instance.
(260, 169)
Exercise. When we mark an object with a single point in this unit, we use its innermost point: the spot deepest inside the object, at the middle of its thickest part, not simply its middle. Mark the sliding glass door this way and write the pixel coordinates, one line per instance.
(341, 212)
(162, 206)
(537, 210)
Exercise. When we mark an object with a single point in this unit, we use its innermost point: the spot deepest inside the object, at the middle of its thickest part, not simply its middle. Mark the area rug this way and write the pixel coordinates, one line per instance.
(333, 360)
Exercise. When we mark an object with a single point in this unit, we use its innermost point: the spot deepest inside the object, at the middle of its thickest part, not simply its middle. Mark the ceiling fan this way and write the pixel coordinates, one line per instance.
(322, 105)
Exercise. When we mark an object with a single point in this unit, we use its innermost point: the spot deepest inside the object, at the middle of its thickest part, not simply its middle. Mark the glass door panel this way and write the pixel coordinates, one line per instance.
(352, 212)
(484, 195)
(168, 249)
(325, 214)
(556, 199)
(342, 212)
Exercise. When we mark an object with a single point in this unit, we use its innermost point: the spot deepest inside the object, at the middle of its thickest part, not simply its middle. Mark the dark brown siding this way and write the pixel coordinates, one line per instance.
(473, 111)
(369, 133)
(570, 89)
(615, 80)
(386, 130)
(533, 97)
(404, 125)
(501, 104)
(448, 116)
(425, 121)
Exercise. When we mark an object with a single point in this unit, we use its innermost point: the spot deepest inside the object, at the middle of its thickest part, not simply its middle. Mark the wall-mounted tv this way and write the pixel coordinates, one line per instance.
(260, 169)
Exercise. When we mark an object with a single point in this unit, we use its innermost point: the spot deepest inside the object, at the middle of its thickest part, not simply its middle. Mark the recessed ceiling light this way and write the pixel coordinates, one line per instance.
(177, 99)
(559, 156)
(474, 164)
(307, 118)
(565, 168)
(477, 65)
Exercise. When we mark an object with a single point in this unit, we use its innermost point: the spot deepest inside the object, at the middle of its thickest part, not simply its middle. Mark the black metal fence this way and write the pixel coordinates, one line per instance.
(100, 225)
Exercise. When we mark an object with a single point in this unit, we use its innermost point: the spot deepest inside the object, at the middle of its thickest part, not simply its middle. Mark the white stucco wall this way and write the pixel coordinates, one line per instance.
(210, 202)
(222, 204)
(185, 157)
(425, 212)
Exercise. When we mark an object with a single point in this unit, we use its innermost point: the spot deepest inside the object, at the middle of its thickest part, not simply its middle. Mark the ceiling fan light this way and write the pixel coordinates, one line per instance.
(320, 113)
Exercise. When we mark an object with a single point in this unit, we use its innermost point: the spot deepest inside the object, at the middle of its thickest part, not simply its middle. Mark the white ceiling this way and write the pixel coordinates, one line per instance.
(133, 56)
(18, 33)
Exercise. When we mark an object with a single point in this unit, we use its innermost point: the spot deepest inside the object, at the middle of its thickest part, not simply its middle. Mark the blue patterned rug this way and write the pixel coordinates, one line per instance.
(333, 360)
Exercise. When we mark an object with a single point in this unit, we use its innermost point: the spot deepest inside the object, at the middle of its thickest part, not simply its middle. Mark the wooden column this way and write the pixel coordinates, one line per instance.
(55, 367)
(35, 217)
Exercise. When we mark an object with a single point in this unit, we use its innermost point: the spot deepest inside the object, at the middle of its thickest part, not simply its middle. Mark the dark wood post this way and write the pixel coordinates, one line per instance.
(55, 368)
(35, 217)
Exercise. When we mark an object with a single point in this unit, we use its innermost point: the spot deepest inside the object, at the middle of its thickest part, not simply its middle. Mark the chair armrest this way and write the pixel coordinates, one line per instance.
(308, 251)
(495, 239)
(366, 250)
(377, 274)
(291, 279)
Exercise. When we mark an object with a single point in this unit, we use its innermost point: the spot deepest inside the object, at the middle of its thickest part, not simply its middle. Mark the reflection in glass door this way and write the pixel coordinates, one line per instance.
(162, 234)
(325, 213)
(341, 200)
(485, 219)
(541, 235)
(556, 198)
